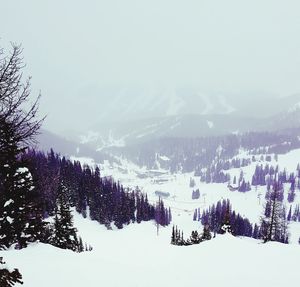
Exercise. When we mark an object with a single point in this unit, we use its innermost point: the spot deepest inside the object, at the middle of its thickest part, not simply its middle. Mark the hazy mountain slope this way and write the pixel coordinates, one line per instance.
(130, 104)
(189, 116)
(190, 126)
(47, 140)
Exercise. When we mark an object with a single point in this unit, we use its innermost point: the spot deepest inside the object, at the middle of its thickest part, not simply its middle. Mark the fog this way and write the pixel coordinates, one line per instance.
(87, 56)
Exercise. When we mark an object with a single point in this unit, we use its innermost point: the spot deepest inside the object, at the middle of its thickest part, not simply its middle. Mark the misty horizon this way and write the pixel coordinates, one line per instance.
(84, 57)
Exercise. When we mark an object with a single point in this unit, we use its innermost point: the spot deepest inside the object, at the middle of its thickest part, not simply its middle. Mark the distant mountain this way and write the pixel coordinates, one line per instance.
(282, 121)
(263, 106)
(47, 140)
(189, 126)
(188, 114)
(144, 103)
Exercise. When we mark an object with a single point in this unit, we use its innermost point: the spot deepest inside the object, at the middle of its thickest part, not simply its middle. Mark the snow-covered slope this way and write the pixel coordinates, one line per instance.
(136, 256)
(139, 256)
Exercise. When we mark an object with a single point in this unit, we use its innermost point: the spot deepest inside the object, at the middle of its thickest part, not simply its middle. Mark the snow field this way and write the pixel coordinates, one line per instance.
(136, 256)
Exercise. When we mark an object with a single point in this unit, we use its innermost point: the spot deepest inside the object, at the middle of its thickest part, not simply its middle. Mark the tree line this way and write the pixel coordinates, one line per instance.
(195, 154)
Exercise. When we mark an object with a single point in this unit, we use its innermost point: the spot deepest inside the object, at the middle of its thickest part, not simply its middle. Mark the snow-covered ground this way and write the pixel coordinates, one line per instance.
(137, 256)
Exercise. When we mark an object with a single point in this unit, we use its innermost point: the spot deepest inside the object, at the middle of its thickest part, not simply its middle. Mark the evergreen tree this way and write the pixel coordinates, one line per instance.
(289, 217)
(9, 278)
(195, 237)
(192, 182)
(234, 180)
(173, 237)
(273, 223)
(206, 234)
(20, 217)
(255, 234)
(195, 216)
(65, 236)
(226, 226)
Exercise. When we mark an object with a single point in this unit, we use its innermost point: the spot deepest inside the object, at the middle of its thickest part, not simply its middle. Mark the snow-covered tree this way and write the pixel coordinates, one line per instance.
(226, 226)
(19, 213)
(9, 278)
(65, 234)
(195, 237)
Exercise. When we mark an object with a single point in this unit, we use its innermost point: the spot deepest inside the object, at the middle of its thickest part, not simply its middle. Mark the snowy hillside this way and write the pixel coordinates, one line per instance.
(136, 256)
(178, 192)
(249, 204)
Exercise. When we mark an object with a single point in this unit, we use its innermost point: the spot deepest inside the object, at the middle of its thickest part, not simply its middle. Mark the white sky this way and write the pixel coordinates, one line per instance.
(75, 49)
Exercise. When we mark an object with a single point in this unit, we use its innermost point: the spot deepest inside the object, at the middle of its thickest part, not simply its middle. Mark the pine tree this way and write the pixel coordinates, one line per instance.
(169, 216)
(65, 236)
(195, 237)
(255, 233)
(192, 182)
(22, 220)
(195, 215)
(80, 247)
(226, 226)
(289, 217)
(9, 278)
(173, 237)
(273, 223)
(206, 235)
(18, 213)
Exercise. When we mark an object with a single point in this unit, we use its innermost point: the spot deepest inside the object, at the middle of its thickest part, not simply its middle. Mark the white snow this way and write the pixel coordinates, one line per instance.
(227, 108)
(151, 129)
(208, 104)
(9, 219)
(91, 136)
(21, 170)
(210, 124)
(8, 202)
(84, 160)
(136, 256)
(178, 123)
(294, 108)
(175, 103)
(164, 158)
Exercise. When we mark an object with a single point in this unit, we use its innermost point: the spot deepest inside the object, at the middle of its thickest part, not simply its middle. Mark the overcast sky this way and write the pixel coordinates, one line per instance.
(78, 52)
